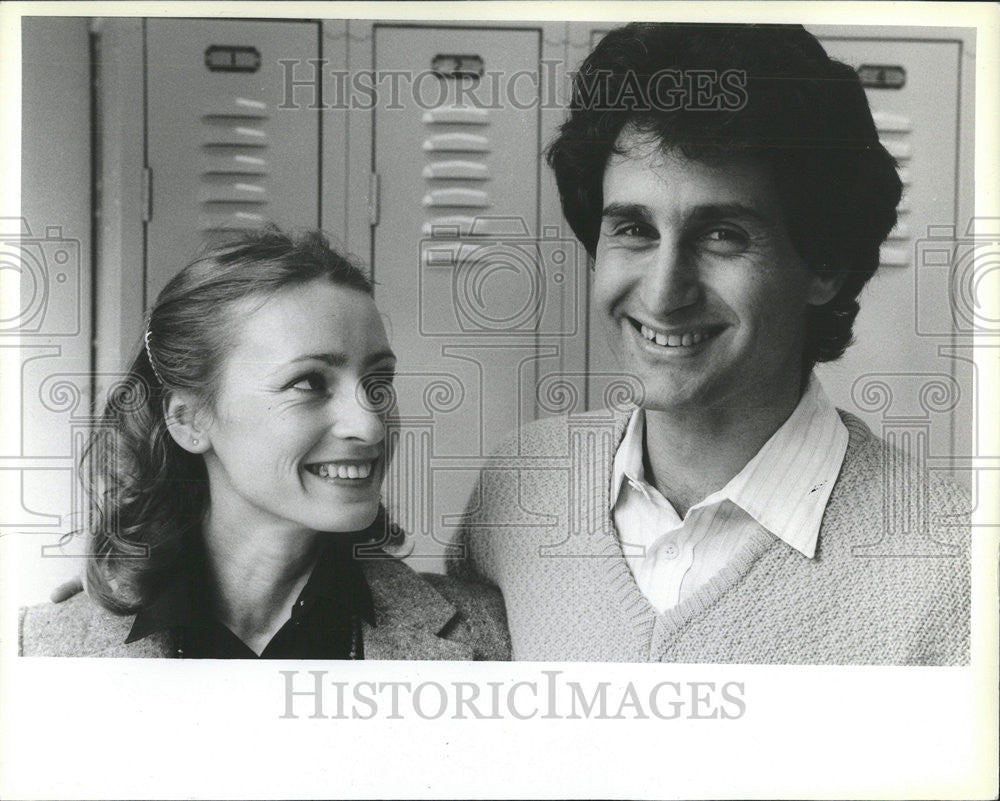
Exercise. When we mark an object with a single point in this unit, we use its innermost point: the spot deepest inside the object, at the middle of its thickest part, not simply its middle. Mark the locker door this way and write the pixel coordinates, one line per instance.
(223, 155)
(455, 255)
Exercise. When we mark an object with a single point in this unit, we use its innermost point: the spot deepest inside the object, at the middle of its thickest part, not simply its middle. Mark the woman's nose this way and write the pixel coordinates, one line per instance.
(355, 417)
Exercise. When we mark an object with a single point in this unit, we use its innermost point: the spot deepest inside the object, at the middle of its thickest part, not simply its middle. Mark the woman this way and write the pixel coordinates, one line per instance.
(236, 509)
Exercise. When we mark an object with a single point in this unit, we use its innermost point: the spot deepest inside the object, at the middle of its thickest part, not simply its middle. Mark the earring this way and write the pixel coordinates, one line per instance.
(194, 442)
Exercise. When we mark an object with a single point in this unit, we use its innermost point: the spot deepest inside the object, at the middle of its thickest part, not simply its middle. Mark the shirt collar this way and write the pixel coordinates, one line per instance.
(336, 577)
(629, 457)
(784, 487)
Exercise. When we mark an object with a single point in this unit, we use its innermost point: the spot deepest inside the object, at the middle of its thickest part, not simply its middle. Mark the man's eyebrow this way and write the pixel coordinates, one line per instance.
(718, 211)
(629, 211)
(337, 359)
(706, 212)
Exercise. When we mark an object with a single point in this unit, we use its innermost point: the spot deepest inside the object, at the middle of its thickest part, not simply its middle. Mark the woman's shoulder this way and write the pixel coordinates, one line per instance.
(79, 627)
(481, 608)
(460, 616)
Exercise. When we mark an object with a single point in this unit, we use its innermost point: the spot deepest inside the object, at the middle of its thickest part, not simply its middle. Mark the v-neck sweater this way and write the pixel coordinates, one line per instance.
(889, 583)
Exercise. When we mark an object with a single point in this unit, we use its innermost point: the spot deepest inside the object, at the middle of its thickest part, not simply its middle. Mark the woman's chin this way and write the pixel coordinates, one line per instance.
(348, 520)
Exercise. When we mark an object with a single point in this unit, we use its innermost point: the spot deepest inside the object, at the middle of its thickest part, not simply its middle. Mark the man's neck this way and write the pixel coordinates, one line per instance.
(691, 453)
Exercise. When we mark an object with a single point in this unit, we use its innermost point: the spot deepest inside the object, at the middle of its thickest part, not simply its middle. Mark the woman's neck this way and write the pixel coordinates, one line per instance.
(258, 571)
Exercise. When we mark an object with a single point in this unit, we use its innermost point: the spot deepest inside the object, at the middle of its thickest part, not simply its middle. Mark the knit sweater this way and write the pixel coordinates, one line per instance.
(889, 583)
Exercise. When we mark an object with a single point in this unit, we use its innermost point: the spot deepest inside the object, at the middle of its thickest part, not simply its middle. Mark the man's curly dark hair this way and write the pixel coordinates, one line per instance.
(784, 104)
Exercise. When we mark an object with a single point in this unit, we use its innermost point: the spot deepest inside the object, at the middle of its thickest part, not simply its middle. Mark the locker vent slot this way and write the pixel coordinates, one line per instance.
(456, 185)
(462, 170)
(457, 115)
(461, 142)
(234, 150)
(466, 198)
(895, 132)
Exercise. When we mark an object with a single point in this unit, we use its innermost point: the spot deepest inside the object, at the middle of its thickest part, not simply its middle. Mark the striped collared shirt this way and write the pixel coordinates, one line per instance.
(783, 489)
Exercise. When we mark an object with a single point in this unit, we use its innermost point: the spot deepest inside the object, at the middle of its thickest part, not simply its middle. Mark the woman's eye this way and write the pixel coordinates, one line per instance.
(313, 382)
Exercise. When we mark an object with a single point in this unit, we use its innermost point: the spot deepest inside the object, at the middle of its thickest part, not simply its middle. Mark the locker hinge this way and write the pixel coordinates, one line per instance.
(373, 199)
(147, 194)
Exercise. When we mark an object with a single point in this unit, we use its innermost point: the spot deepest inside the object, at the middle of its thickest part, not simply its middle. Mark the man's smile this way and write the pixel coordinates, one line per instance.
(676, 337)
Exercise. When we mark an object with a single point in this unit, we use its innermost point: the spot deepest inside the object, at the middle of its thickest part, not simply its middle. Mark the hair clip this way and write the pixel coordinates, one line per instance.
(149, 355)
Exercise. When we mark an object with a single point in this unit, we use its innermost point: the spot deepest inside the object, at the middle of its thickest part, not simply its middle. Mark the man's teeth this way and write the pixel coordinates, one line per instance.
(673, 340)
(340, 470)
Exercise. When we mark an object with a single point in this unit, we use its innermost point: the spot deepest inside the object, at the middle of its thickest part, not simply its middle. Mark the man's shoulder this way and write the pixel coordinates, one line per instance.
(874, 461)
(550, 435)
(76, 627)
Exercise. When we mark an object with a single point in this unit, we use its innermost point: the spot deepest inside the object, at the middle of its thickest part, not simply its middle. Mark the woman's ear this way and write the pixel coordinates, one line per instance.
(185, 423)
(824, 286)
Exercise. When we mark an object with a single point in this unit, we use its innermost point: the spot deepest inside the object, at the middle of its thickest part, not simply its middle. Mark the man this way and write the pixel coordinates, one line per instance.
(720, 519)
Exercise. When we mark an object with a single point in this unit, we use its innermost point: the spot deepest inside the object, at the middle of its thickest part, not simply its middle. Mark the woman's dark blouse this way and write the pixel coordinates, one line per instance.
(325, 622)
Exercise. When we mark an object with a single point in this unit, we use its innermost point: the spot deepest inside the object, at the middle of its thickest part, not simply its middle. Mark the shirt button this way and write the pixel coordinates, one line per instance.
(670, 550)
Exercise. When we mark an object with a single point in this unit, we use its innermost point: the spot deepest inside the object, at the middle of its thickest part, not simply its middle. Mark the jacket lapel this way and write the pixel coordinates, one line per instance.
(411, 617)
(159, 644)
(411, 621)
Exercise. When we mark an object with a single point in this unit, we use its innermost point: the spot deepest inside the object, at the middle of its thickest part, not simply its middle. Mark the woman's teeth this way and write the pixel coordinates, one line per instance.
(340, 470)
(674, 340)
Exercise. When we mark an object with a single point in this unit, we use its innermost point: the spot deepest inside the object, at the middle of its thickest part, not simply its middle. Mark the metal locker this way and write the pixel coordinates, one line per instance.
(222, 152)
(456, 255)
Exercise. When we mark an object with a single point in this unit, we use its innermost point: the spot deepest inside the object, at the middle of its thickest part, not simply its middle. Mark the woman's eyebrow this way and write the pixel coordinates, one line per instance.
(381, 356)
(333, 359)
(337, 359)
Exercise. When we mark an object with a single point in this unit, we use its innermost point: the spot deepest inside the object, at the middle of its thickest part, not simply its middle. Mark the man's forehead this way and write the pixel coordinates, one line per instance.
(634, 144)
(654, 180)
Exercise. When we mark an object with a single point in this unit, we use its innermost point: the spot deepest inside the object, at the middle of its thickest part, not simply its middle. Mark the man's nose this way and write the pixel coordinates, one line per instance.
(671, 281)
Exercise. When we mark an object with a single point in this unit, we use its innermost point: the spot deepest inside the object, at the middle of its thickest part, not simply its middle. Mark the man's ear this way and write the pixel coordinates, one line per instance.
(824, 286)
(185, 422)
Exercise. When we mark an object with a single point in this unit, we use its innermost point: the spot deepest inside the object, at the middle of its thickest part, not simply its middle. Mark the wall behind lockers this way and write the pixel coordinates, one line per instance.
(200, 128)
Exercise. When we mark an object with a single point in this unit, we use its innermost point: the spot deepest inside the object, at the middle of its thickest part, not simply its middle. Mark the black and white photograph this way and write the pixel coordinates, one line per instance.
(499, 400)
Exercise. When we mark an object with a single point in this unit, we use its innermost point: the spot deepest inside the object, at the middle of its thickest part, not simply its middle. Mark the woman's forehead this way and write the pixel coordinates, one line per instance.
(318, 317)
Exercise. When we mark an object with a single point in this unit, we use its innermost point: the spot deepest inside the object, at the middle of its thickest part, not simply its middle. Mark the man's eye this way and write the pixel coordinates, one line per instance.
(313, 382)
(725, 240)
(633, 229)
